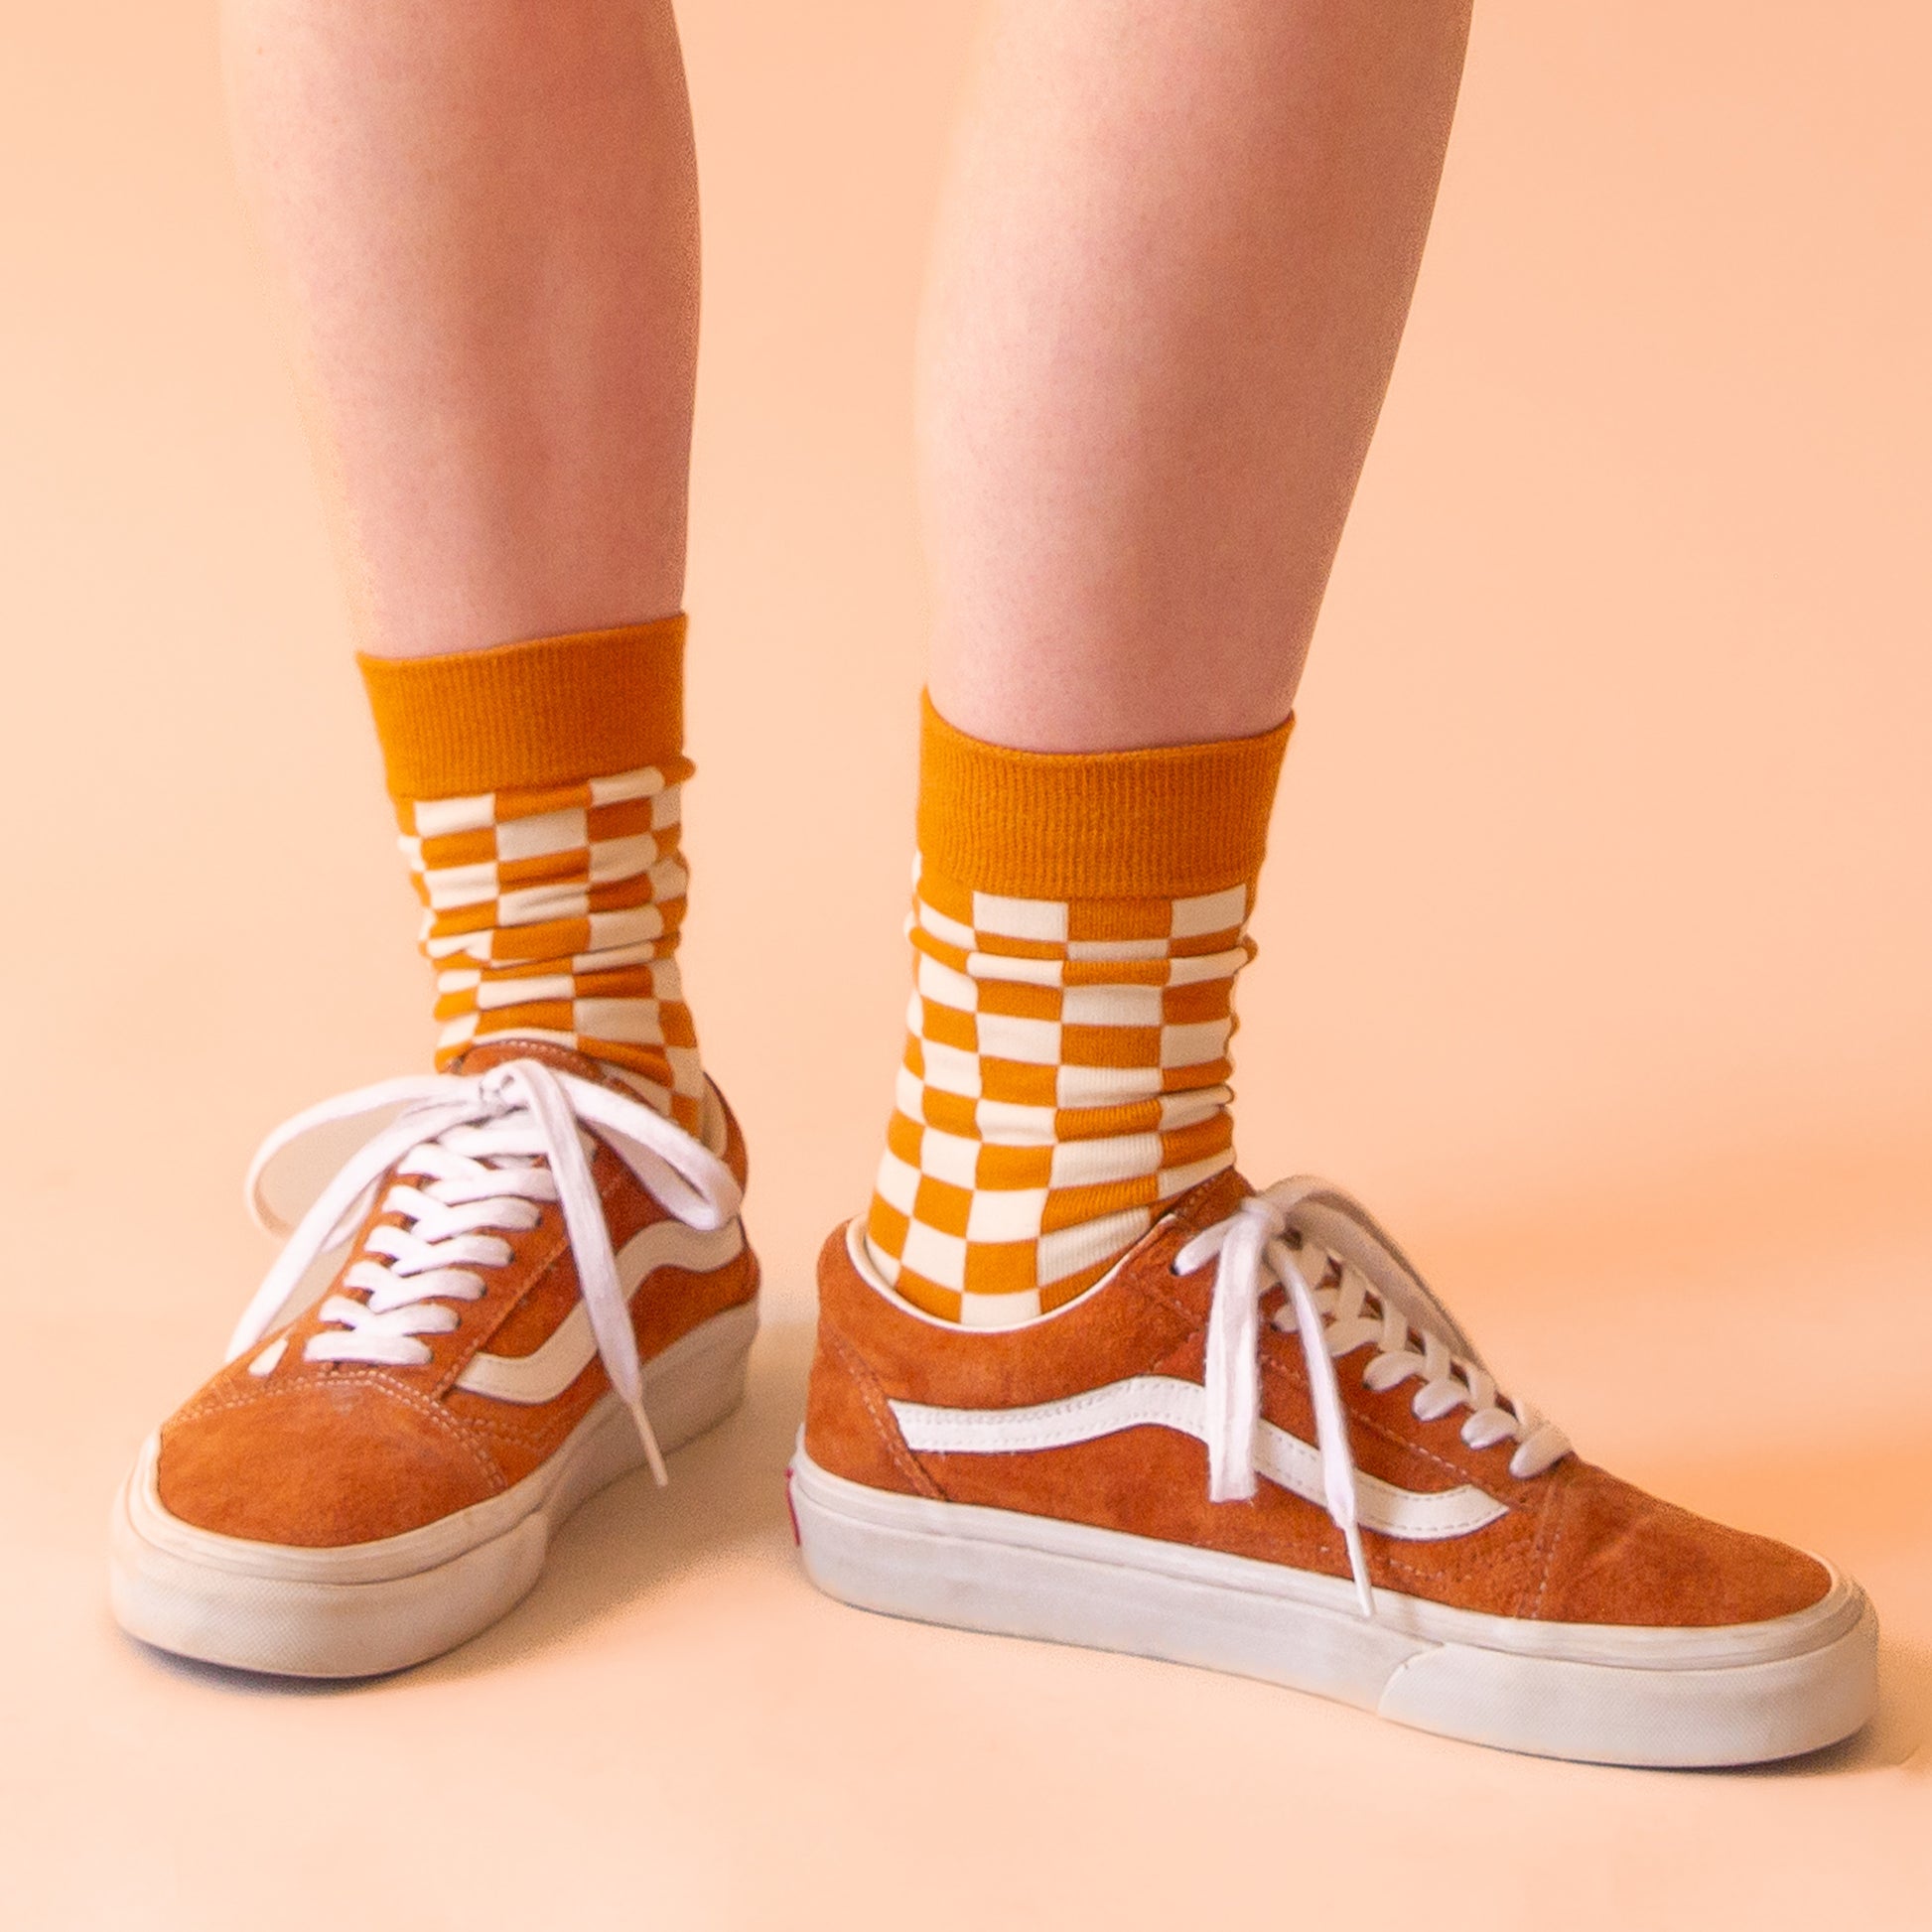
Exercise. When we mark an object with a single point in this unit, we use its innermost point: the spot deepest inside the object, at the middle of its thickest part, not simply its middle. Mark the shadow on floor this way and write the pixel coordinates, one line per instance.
(1893, 1740)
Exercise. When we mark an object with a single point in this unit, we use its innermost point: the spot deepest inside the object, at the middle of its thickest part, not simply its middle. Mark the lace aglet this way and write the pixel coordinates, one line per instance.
(1359, 1563)
(648, 1437)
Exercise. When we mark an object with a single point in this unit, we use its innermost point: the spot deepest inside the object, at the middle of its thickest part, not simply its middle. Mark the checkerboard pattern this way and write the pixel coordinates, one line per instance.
(552, 914)
(1065, 1079)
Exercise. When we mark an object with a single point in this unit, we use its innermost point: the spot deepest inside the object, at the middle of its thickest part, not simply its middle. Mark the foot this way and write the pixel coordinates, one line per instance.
(525, 1284)
(1165, 1467)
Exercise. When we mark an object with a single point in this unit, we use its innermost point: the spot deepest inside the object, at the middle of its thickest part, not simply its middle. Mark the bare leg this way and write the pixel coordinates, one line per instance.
(480, 216)
(1171, 277)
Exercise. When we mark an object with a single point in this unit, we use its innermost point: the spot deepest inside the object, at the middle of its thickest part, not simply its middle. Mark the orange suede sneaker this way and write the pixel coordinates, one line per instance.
(1261, 1444)
(523, 1284)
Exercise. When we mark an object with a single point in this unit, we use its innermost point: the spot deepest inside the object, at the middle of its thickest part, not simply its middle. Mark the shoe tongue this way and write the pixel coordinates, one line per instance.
(481, 1057)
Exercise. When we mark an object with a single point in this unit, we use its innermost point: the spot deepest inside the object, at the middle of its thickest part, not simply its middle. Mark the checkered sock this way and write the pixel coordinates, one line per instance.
(1077, 925)
(537, 787)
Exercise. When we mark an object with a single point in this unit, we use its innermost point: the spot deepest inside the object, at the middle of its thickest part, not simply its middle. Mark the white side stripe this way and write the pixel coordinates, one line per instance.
(548, 1371)
(1164, 1402)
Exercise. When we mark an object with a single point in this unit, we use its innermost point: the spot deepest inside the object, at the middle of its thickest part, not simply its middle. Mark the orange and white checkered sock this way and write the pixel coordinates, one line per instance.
(1077, 925)
(537, 787)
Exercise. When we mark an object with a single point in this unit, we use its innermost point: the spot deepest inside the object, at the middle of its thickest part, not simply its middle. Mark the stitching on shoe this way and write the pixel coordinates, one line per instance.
(1453, 1574)
(1539, 1555)
(445, 1421)
(870, 1395)
(1155, 1292)
(1549, 1564)
(545, 1442)
(451, 1427)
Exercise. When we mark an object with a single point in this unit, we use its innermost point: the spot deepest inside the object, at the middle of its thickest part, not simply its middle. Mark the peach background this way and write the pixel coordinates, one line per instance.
(1610, 807)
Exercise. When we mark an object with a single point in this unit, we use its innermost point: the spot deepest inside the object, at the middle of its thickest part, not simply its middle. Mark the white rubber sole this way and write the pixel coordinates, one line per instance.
(371, 1607)
(1601, 1692)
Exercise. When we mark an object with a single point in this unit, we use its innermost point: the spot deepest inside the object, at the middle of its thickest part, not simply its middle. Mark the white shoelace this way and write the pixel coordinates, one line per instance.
(487, 1148)
(1376, 1298)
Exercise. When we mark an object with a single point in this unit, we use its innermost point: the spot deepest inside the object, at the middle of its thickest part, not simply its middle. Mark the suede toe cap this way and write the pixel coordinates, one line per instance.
(320, 1463)
(1614, 1554)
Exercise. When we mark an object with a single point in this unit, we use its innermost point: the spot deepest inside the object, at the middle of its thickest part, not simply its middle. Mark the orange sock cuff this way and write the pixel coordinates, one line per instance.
(1079, 921)
(1171, 823)
(551, 712)
(538, 789)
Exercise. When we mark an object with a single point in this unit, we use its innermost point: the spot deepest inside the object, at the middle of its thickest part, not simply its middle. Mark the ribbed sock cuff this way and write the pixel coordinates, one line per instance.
(551, 712)
(1167, 823)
